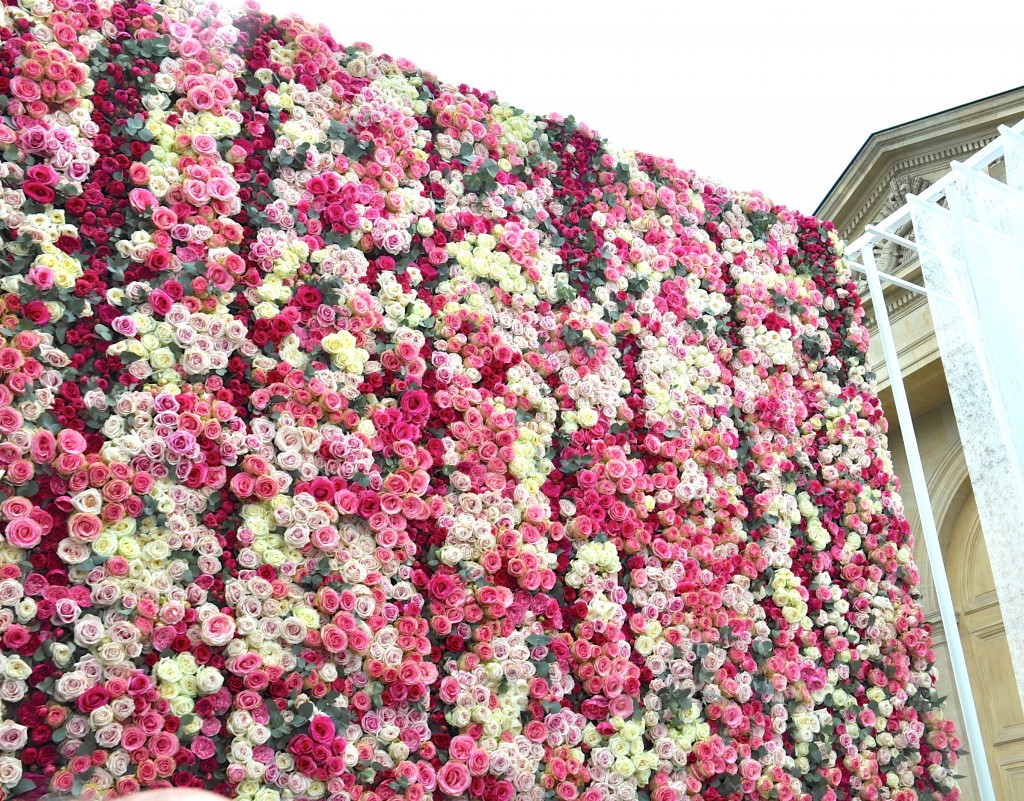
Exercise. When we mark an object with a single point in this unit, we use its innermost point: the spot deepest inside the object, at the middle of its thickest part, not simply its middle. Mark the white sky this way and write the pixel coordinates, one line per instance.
(776, 95)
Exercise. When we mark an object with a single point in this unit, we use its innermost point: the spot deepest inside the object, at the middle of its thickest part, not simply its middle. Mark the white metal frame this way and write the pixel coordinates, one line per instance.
(864, 248)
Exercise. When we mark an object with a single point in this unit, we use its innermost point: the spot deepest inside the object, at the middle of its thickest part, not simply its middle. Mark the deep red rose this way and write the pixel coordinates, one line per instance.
(41, 193)
(308, 297)
(76, 205)
(158, 260)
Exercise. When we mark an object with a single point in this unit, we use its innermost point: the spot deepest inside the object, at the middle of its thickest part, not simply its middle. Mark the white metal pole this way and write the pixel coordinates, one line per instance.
(931, 534)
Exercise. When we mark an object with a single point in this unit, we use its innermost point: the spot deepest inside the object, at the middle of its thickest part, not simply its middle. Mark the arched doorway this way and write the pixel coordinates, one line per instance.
(987, 652)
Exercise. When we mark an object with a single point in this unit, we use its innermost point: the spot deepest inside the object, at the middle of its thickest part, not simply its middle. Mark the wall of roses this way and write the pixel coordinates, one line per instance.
(367, 437)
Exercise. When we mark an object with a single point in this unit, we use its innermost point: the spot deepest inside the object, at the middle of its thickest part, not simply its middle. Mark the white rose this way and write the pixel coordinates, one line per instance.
(88, 500)
(70, 686)
(10, 771)
(209, 680)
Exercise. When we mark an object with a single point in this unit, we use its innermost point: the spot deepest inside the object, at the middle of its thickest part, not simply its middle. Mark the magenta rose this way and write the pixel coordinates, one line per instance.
(37, 312)
(416, 404)
(321, 729)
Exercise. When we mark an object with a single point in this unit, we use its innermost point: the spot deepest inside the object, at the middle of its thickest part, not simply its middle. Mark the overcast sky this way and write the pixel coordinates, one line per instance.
(775, 95)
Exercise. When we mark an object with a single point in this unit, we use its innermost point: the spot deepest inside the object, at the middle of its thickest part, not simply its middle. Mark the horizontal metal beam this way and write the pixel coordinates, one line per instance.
(891, 279)
(899, 240)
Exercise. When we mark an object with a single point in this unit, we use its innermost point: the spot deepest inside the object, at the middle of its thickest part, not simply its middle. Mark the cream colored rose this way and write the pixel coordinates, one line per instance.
(209, 680)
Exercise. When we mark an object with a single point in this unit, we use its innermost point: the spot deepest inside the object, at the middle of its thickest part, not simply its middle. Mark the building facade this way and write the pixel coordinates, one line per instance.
(892, 163)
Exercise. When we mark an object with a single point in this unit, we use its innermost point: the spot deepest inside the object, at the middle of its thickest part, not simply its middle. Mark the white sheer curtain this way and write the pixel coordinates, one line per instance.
(972, 257)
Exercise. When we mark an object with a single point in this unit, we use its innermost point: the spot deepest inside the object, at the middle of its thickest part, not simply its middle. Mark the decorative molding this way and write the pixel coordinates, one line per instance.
(918, 160)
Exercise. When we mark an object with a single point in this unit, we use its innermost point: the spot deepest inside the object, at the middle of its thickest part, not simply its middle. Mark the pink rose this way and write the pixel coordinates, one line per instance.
(16, 507)
(621, 706)
(203, 747)
(84, 527)
(163, 744)
(196, 191)
(266, 487)
(40, 277)
(750, 769)
(242, 484)
(334, 639)
(204, 143)
(43, 173)
(454, 778)
(141, 199)
(70, 441)
(222, 188)
(358, 640)
(733, 716)
(24, 89)
(461, 747)
(478, 762)
(200, 98)
(124, 325)
(23, 533)
(20, 472)
(62, 781)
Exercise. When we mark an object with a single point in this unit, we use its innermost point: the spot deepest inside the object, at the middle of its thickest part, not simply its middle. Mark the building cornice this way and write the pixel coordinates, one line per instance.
(918, 148)
(917, 164)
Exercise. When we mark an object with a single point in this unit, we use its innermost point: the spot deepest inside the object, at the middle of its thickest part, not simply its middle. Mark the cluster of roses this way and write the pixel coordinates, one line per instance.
(364, 437)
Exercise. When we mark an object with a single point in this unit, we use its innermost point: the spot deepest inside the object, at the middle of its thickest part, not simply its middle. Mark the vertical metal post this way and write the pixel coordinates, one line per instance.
(931, 534)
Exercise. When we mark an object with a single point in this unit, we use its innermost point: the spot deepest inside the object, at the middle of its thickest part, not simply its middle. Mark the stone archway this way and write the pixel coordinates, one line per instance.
(986, 649)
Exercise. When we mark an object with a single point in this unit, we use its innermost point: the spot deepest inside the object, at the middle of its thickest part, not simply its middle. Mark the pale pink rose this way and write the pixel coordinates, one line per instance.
(66, 611)
(89, 630)
(218, 630)
(12, 736)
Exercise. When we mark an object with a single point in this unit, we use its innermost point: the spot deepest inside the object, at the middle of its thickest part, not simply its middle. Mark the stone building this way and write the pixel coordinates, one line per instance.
(891, 163)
